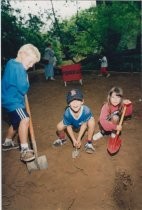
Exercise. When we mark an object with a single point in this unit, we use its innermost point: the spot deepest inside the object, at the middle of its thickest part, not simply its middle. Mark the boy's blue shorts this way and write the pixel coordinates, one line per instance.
(16, 116)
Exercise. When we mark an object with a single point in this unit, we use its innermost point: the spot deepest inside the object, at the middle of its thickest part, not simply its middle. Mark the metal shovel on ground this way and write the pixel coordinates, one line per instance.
(39, 163)
(75, 153)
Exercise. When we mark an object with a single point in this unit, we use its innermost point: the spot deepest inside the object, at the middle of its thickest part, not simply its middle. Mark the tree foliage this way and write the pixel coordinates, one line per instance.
(11, 32)
(109, 27)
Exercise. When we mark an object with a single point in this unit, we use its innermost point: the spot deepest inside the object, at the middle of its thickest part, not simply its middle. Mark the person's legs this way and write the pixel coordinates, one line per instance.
(101, 133)
(10, 133)
(115, 120)
(52, 71)
(20, 121)
(104, 71)
(9, 144)
(49, 71)
(46, 71)
(91, 127)
(23, 130)
(100, 74)
(26, 153)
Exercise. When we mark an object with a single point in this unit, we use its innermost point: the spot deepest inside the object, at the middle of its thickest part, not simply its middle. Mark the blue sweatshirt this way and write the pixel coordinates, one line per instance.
(15, 85)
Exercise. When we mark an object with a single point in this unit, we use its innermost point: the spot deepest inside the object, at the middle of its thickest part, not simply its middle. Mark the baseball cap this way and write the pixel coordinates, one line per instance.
(74, 94)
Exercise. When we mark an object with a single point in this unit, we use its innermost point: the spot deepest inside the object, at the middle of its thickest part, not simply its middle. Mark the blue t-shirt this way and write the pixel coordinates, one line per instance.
(70, 119)
(15, 85)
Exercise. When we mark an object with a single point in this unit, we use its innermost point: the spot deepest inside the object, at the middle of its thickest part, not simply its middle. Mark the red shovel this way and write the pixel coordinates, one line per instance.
(114, 144)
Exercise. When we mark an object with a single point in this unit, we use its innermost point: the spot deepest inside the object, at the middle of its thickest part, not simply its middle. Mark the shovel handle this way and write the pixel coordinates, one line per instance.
(31, 126)
(122, 118)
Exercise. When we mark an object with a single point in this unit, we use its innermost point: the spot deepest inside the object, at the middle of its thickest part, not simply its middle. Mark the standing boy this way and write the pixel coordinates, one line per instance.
(15, 85)
(77, 117)
(104, 66)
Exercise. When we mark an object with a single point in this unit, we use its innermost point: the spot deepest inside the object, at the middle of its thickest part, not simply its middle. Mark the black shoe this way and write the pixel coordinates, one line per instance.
(11, 146)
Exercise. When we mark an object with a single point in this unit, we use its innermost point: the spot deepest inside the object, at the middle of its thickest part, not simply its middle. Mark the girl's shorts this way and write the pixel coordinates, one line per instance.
(16, 116)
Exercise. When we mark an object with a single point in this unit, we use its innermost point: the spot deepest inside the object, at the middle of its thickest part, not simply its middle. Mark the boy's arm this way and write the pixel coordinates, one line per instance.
(17, 79)
(21, 80)
(71, 134)
(89, 122)
(81, 131)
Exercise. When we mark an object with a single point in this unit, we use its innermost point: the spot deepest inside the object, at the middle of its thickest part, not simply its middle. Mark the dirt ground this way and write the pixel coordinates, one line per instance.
(90, 182)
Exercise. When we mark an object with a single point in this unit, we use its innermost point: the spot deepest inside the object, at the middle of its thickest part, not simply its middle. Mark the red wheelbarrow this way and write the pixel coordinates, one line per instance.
(71, 72)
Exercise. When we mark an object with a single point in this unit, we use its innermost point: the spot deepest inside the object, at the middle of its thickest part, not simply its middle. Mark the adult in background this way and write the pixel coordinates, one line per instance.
(49, 64)
(104, 66)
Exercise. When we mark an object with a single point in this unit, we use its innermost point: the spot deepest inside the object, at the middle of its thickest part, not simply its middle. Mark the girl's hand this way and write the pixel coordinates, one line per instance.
(126, 102)
(119, 127)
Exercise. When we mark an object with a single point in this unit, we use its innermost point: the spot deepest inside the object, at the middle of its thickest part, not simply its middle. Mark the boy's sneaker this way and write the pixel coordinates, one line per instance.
(59, 142)
(89, 148)
(97, 136)
(108, 75)
(52, 78)
(10, 146)
(27, 155)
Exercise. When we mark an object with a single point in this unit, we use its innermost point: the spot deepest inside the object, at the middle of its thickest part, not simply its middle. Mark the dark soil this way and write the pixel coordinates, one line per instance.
(89, 182)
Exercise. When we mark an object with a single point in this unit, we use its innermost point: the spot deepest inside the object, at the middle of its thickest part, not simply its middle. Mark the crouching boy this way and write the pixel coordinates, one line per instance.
(77, 117)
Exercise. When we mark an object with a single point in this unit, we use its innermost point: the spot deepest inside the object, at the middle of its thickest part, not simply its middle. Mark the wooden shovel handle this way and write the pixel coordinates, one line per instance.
(31, 126)
(122, 118)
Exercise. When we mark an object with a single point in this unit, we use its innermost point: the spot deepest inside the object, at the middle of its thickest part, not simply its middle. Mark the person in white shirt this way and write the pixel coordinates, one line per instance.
(104, 66)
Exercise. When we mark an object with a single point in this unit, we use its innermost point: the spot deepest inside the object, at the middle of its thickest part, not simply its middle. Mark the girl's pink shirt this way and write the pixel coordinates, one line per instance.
(106, 111)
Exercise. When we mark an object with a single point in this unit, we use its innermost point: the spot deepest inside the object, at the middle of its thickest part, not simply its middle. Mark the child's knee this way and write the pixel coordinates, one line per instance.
(60, 126)
(115, 119)
(91, 123)
(25, 121)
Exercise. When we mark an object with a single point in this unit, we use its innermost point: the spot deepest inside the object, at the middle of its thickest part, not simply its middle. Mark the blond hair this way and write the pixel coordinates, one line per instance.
(30, 50)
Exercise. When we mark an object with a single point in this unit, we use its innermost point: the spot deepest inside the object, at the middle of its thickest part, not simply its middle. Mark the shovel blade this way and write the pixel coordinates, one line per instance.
(38, 164)
(75, 153)
(114, 145)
